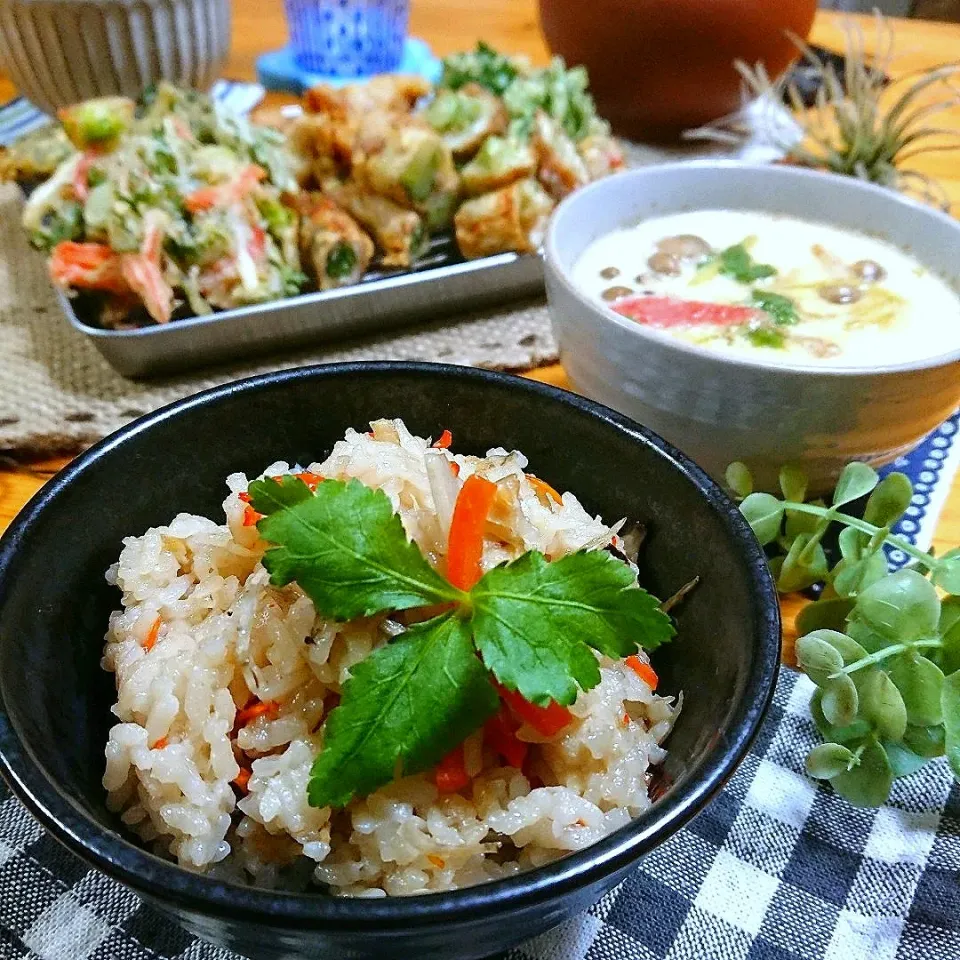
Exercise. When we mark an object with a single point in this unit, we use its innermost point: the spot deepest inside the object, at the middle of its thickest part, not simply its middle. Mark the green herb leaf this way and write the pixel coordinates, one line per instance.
(856, 480)
(925, 741)
(764, 513)
(764, 336)
(868, 783)
(800, 568)
(783, 311)
(830, 614)
(818, 657)
(946, 573)
(271, 494)
(881, 704)
(851, 543)
(850, 576)
(839, 700)
(920, 683)
(889, 500)
(851, 733)
(793, 483)
(829, 760)
(903, 761)
(348, 551)
(534, 622)
(950, 704)
(949, 628)
(903, 606)
(739, 479)
(404, 707)
(737, 263)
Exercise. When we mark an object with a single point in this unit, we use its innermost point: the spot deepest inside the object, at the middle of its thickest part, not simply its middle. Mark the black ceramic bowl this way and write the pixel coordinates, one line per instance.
(54, 605)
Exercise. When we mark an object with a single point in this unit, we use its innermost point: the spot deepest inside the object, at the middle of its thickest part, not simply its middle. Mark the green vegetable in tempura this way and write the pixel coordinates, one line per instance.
(499, 162)
(97, 124)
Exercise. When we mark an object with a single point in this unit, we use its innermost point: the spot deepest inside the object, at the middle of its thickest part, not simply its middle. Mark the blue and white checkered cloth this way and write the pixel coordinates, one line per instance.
(776, 868)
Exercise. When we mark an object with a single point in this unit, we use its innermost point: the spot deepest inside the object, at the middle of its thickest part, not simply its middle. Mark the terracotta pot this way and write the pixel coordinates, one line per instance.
(661, 66)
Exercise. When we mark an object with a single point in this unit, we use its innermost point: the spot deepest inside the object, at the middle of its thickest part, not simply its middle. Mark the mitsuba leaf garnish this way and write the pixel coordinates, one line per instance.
(535, 622)
(882, 647)
(348, 552)
(274, 493)
(401, 709)
(531, 624)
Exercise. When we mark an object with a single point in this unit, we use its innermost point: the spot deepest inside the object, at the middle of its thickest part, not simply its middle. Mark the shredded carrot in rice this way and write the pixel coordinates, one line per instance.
(245, 497)
(152, 635)
(243, 778)
(644, 671)
(160, 744)
(544, 490)
(259, 708)
(444, 440)
(438, 862)
(251, 517)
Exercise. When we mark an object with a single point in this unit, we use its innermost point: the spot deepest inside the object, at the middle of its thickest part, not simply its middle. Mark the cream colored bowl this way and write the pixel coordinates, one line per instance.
(719, 408)
(59, 52)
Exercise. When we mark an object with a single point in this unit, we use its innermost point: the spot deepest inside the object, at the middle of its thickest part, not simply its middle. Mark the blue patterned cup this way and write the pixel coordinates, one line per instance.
(348, 38)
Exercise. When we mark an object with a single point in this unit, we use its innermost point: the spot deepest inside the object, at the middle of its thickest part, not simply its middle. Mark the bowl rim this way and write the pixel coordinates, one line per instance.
(811, 178)
(165, 883)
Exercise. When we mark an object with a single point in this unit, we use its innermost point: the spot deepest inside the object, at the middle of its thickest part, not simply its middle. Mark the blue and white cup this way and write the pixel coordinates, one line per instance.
(348, 38)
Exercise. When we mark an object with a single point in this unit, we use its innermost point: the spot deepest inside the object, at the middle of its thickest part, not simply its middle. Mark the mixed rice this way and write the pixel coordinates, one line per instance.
(224, 682)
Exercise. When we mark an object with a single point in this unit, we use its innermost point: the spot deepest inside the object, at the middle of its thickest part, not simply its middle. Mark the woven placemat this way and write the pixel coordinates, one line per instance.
(58, 395)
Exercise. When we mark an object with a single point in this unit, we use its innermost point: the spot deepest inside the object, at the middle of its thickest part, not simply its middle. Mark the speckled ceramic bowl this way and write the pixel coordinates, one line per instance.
(55, 604)
(59, 52)
(719, 408)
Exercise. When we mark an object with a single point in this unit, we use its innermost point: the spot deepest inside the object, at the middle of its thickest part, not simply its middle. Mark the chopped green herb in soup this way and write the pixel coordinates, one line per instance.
(774, 288)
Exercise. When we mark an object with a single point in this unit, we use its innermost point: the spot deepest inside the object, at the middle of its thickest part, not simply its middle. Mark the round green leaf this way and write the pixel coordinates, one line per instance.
(851, 542)
(947, 572)
(882, 705)
(828, 760)
(868, 783)
(851, 576)
(850, 651)
(950, 704)
(866, 636)
(739, 479)
(824, 614)
(920, 683)
(925, 741)
(889, 500)
(902, 606)
(903, 761)
(856, 481)
(839, 701)
(804, 565)
(949, 627)
(797, 523)
(817, 658)
(793, 483)
(764, 513)
(853, 733)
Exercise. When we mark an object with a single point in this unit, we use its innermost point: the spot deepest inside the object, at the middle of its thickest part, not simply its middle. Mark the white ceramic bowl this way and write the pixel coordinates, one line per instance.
(59, 52)
(718, 408)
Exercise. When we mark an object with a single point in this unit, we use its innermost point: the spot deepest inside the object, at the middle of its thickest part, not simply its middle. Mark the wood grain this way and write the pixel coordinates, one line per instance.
(450, 25)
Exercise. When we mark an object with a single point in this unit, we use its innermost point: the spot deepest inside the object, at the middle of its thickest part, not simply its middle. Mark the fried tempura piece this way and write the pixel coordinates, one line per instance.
(512, 218)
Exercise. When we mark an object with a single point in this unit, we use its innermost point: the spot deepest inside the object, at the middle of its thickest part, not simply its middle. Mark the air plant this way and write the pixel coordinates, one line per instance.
(860, 124)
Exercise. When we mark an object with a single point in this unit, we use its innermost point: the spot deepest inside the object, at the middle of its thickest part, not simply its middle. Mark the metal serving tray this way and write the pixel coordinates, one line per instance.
(441, 282)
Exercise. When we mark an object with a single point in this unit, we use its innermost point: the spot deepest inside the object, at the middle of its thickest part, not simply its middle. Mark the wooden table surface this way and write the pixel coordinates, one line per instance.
(451, 25)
